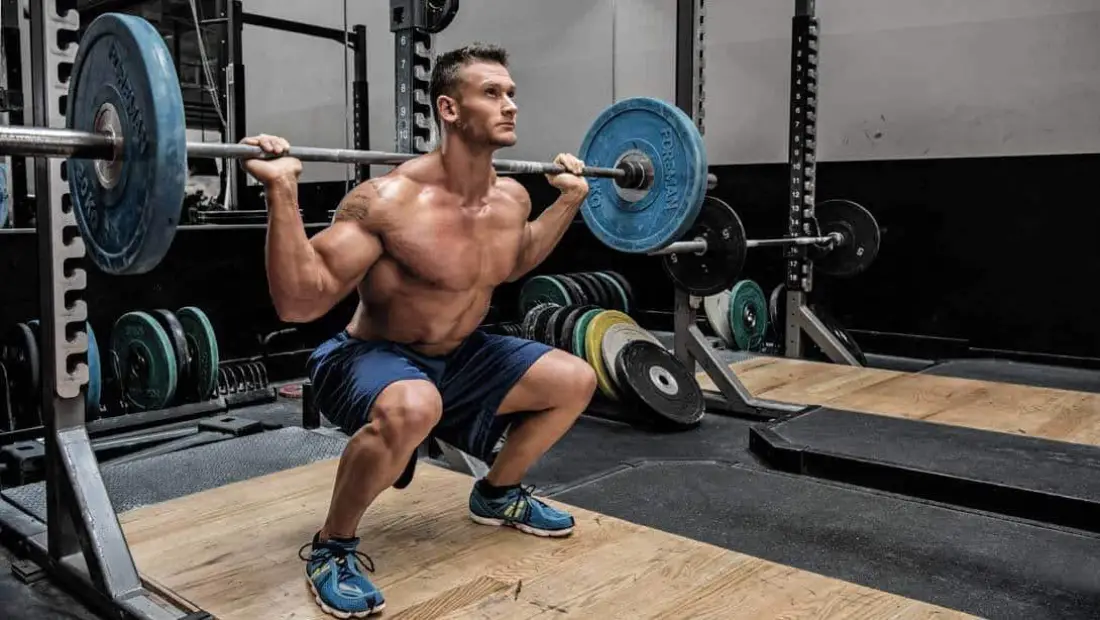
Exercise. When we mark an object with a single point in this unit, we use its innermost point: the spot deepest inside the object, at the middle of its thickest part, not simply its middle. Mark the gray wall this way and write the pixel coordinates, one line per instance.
(900, 79)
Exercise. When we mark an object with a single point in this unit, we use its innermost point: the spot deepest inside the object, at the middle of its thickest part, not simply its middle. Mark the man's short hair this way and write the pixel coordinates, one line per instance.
(445, 78)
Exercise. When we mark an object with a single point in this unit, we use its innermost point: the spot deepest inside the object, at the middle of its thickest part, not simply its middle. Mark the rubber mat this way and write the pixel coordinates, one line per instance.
(1026, 477)
(157, 479)
(1020, 373)
(990, 567)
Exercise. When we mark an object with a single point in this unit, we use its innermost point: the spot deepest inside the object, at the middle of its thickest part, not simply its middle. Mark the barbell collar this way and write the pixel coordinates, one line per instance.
(694, 246)
(67, 143)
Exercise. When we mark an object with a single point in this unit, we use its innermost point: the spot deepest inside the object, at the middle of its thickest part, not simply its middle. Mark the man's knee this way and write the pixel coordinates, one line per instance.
(405, 412)
(578, 380)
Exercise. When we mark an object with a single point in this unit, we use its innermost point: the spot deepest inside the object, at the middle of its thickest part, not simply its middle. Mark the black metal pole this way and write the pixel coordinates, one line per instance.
(361, 100)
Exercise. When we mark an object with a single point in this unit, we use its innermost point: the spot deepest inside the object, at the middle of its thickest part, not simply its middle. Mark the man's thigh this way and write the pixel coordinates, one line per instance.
(478, 380)
(348, 375)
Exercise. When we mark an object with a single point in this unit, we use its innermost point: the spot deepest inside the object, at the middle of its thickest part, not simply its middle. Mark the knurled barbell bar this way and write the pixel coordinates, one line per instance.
(712, 254)
(127, 146)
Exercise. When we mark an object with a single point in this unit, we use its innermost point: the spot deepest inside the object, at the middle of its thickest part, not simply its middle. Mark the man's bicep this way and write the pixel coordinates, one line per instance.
(347, 250)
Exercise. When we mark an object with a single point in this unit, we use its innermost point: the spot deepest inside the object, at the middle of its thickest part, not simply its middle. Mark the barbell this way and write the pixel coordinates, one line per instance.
(713, 253)
(125, 140)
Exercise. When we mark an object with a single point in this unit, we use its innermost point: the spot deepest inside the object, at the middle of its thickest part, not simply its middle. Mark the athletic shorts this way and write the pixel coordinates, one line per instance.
(348, 374)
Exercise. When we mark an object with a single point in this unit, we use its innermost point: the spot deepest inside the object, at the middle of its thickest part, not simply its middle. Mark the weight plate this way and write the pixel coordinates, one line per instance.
(568, 327)
(777, 307)
(717, 309)
(529, 320)
(176, 336)
(19, 353)
(598, 291)
(716, 269)
(202, 352)
(553, 325)
(576, 293)
(624, 284)
(861, 233)
(147, 364)
(841, 334)
(543, 289)
(580, 332)
(618, 299)
(642, 221)
(94, 393)
(535, 325)
(748, 315)
(124, 80)
(4, 196)
(657, 382)
(593, 352)
(542, 319)
(617, 337)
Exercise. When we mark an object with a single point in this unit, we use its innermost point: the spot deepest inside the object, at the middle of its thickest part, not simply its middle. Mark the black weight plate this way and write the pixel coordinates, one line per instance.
(625, 284)
(176, 335)
(19, 353)
(550, 330)
(576, 293)
(565, 336)
(529, 320)
(592, 290)
(665, 392)
(861, 234)
(617, 300)
(777, 307)
(718, 268)
(538, 323)
(834, 326)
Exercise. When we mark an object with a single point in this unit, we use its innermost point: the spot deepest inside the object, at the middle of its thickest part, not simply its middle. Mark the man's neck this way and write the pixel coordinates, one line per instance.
(469, 171)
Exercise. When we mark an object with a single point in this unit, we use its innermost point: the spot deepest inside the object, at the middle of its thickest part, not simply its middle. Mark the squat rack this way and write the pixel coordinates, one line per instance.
(691, 345)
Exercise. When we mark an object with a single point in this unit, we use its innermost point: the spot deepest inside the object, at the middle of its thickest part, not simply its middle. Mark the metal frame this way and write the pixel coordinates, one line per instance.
(413, 55)
(232, 14)
(691, 345)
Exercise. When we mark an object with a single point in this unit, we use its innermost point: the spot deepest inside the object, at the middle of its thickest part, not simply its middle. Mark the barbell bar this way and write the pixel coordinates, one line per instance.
(42, 141)
(699, 246)
(711, 256)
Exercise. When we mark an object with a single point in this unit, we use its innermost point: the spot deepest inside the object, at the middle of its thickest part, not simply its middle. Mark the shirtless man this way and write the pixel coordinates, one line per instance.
(425, 246)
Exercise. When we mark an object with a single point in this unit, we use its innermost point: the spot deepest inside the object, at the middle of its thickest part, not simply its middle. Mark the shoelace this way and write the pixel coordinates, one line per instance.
(340, 554)
(527, 496)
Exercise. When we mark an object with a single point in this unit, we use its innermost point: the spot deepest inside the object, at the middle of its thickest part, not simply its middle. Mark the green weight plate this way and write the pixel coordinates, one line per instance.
(543, 289)
(748, 315)
(581, 329)
(147, 364)
(202, 350)
(565, 337)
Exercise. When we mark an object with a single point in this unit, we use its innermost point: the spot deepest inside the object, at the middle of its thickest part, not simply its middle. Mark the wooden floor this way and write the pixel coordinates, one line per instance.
(233, 551)
(1040, 412)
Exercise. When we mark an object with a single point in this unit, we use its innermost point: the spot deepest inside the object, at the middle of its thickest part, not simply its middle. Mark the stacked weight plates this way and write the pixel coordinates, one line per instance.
(604, 289)
(739, 316)
(631, 366)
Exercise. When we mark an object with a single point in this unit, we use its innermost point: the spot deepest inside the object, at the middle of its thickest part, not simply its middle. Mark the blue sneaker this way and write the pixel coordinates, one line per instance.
(520, 509)
(334, 570)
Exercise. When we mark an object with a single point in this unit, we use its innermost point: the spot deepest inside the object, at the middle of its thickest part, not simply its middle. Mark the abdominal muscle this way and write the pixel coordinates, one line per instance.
(433, 318)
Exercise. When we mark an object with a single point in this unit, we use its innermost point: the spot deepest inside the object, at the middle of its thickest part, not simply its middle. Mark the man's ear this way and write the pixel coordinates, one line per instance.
(448, 109)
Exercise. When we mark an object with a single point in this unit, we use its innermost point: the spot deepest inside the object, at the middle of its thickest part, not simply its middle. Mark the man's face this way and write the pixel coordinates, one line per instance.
(486, 108)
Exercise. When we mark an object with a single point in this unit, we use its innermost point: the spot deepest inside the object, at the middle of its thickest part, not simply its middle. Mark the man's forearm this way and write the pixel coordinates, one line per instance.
(547, 230)
(292, 274)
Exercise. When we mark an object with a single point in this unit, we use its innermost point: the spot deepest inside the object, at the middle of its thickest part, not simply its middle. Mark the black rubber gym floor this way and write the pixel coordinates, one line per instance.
(1020, 373)
(706, 485)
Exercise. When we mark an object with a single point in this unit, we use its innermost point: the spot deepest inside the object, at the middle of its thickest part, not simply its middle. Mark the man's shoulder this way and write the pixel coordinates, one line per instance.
(514, 190)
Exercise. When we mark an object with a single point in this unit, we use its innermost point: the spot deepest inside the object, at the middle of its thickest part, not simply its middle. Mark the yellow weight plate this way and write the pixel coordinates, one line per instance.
(593, 351)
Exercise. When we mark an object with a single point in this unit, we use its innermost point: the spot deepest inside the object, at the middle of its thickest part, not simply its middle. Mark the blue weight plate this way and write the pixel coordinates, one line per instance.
(123, 71)
(95, 375)
(642, 221)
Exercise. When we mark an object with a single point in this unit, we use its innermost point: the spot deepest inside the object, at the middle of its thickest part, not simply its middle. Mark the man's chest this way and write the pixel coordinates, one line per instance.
(457, 252)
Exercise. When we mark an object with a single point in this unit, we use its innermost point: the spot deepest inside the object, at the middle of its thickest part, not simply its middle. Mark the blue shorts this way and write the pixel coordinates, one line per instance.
(348, 374)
